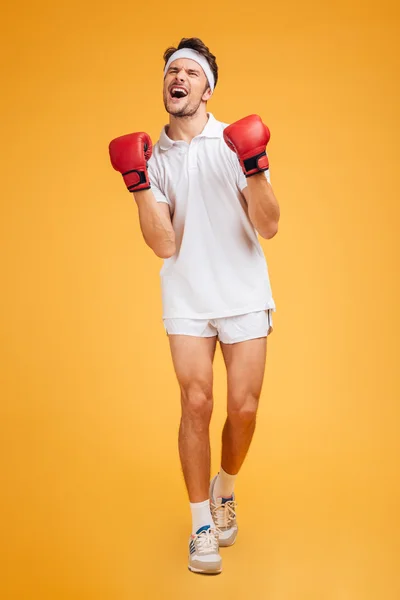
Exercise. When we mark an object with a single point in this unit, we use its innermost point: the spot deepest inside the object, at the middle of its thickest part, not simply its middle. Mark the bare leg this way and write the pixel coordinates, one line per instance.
(193, 363)
(245, 364)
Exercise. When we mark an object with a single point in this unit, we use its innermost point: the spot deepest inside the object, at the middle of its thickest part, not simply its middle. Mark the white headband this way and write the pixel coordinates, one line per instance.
(196, 56)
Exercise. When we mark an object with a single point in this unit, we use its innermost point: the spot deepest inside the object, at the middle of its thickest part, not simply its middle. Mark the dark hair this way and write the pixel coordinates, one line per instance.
(199, 46)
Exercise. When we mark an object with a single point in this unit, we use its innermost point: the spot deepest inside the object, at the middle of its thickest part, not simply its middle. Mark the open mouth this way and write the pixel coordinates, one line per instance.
(177, 91)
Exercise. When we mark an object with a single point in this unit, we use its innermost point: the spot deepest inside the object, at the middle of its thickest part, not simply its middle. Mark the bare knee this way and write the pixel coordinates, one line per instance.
(242, 412)
(197, 404)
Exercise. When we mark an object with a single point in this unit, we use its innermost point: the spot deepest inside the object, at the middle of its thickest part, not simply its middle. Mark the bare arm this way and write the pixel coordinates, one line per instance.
(155, 223)
(264, 209)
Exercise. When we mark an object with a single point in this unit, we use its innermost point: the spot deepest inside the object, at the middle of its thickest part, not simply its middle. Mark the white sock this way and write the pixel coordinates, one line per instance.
(224, 485)
(201, 515)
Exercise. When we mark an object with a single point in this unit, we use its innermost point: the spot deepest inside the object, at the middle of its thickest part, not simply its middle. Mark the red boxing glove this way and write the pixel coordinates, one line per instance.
(129, 155)
(249, 138)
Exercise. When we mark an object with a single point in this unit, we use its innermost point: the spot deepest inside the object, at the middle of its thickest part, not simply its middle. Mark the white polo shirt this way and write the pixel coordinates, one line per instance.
(219, 268)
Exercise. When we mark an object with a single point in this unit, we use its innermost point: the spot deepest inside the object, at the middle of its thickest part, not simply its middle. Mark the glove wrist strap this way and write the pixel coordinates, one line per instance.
(136, 180)
(255, 164)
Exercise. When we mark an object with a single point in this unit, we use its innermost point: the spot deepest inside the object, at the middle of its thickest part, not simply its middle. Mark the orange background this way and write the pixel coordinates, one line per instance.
(94, 505)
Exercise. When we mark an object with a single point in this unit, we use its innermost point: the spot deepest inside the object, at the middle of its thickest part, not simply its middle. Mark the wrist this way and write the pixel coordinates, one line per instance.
(257, 181)
(142, 197)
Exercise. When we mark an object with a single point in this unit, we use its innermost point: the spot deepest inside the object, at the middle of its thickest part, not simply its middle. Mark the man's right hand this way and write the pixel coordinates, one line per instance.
(129, 155)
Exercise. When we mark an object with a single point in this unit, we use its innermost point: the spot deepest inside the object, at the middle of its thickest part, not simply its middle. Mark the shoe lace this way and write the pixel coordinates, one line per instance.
(224, 514)
(206, 541)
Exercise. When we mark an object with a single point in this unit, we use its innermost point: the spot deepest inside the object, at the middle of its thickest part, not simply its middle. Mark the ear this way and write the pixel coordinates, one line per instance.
(207, 95)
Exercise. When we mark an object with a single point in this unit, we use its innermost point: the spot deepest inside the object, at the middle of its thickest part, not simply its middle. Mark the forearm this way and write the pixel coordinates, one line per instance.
(264, 210)
(156, 227)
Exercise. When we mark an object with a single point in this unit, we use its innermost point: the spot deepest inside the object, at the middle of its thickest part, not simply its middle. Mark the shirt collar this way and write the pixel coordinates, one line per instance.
(212, 129)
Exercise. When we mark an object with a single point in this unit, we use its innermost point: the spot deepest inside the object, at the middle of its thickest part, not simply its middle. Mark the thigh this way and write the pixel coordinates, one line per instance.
(245, 366)
(193, 358)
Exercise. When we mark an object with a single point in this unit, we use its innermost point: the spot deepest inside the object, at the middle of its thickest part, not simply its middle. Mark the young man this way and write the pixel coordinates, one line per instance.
(203, 194)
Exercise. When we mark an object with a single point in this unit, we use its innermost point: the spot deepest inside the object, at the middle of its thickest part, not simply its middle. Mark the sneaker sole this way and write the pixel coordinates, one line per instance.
(227, 545)
(203, 572)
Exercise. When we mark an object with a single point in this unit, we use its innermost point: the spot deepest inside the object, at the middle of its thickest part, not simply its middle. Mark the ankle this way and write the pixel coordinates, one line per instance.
(224, 484)
(201, 515)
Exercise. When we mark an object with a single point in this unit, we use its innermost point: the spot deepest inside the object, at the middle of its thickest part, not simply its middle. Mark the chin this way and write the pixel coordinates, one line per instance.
(184, 111)
(174, 110)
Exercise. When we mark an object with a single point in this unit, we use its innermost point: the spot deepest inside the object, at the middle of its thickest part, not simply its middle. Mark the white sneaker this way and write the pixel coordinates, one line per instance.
(204, 554)
(223, 511)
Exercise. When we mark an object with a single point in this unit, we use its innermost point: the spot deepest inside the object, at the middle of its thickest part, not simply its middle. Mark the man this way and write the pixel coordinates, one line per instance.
(202, 196)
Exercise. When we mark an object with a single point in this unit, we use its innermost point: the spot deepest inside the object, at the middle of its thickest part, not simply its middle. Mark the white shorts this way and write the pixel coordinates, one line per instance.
(229, 330)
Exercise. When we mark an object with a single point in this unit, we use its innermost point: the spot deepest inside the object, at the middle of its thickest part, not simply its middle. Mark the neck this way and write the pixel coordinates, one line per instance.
(186, 128)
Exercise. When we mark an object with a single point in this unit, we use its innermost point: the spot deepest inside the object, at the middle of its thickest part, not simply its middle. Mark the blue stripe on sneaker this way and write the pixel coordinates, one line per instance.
(204, 528)
(223, 500)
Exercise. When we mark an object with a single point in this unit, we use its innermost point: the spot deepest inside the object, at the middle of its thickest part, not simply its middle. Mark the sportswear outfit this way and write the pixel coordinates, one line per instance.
(217, 282)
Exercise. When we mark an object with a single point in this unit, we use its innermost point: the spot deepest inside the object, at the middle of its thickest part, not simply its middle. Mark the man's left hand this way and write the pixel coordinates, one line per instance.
(249, 137)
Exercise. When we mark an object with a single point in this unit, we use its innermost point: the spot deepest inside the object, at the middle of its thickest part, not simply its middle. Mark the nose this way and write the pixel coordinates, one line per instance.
(181, 75)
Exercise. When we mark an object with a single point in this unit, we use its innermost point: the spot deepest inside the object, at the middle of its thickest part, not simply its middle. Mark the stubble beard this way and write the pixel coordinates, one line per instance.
(185, 111)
